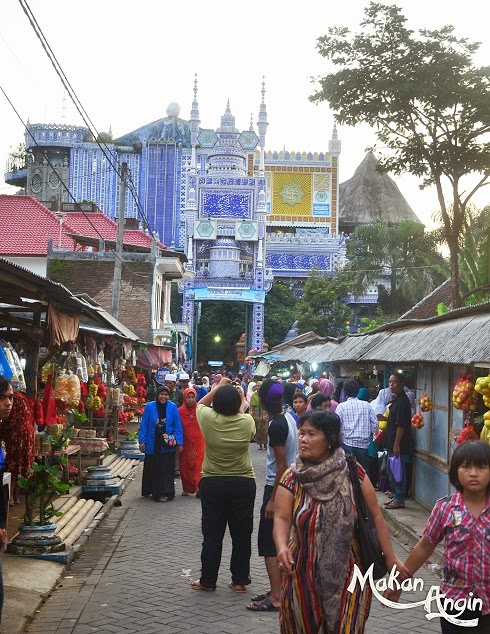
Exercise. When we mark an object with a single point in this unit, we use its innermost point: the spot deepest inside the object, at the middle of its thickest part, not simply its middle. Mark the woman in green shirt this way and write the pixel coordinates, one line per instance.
(227, 487)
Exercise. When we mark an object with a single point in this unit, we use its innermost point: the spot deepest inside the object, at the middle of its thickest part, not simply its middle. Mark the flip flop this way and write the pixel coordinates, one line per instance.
(195, 585)
(257, 598)
(264, 606)
(236, 587)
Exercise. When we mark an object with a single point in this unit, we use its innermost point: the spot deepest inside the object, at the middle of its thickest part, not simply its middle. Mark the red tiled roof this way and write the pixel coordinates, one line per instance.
(29, 225)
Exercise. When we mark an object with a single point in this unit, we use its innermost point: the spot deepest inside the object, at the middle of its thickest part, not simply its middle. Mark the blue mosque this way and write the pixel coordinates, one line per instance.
(243, 214)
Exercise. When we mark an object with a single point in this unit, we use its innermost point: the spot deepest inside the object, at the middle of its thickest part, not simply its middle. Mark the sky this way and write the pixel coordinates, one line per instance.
(128, 60)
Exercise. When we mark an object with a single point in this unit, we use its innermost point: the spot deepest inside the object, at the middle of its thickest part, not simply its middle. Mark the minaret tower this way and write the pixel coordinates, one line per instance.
(194, 120)
(334, 149)
(262, 122)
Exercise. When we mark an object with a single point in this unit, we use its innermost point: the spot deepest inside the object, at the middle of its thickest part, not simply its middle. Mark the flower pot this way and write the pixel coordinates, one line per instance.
(36, 540)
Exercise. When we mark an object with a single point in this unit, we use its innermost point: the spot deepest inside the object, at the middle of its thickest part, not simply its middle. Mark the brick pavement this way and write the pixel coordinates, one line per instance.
(133, 576)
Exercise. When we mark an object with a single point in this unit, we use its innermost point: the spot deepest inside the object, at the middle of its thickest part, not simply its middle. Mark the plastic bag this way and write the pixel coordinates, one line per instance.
(396, 468)
(383, 462)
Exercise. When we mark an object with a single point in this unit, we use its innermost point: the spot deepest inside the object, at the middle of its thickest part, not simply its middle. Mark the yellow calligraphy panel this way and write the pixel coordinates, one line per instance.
(291, 194)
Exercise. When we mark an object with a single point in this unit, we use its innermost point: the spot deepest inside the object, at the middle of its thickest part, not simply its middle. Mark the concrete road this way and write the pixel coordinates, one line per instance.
(135, 572)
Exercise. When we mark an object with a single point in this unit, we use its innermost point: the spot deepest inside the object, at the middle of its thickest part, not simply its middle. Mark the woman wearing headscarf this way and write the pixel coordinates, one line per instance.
(318, 564)
(326, 387)
(160, 418)
(192, 455)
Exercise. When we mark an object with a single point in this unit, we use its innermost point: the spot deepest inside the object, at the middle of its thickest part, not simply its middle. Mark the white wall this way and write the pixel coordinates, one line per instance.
(35, 265)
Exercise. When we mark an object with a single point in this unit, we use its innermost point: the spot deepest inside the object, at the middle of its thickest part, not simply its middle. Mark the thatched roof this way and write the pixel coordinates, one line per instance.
(370, 196)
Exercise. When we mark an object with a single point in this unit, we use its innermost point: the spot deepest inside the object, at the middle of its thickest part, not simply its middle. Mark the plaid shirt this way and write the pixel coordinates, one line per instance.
(466, 548)
(357, 422)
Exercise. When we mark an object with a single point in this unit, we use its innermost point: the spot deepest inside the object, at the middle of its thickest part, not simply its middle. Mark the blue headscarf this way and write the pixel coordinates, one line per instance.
(364, 394)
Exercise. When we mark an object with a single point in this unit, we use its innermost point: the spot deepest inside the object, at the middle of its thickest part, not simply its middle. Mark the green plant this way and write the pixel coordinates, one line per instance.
(133, 435)
(43, 483)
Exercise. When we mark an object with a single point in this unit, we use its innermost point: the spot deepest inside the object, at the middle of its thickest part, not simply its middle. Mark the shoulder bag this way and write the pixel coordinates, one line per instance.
(365, 530)
(162, 439)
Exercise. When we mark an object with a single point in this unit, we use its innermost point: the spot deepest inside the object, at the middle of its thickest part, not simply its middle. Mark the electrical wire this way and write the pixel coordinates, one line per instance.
(81, 110)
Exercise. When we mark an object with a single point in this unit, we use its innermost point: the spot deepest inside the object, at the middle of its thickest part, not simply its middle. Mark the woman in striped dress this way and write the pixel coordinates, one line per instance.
(315, 497)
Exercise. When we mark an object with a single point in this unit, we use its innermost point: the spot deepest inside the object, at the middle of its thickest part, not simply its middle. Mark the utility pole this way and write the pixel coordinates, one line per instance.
(116, 288)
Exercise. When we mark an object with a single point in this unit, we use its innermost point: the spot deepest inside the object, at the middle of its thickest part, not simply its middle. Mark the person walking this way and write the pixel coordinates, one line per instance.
(281, 452)
(192, 454)
(160, 437)
(227, 488)
(462, 520)
(357, 423)
(398, 440)
(315, 499)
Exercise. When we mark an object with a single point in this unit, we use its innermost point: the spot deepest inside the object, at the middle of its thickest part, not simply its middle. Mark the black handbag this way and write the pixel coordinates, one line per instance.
(367, 536)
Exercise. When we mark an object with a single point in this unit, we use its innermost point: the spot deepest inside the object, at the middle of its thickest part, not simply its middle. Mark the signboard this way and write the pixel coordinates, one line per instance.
(215, 364)
(160, 375)
(230, 295)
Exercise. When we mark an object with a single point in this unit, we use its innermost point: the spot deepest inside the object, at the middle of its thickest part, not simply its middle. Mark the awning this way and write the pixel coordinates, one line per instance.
(153, 357)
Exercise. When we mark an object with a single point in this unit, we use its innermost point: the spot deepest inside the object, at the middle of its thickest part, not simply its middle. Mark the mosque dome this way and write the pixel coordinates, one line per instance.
(104, 137)
(173, 109)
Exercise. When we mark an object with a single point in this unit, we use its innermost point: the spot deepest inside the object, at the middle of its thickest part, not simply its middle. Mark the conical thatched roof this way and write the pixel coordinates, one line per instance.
(370, 196)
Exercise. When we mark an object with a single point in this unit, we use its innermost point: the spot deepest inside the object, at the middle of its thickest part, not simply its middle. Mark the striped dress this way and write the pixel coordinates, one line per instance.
(301, 609)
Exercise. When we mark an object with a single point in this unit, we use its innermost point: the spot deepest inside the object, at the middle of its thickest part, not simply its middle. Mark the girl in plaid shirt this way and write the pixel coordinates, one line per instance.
(463, 521)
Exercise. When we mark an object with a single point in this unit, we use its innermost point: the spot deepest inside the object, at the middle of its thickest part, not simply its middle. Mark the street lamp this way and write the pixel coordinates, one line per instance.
(217, 338)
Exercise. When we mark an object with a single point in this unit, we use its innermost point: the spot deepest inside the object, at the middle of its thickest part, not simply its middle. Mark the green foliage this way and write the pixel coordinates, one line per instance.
(133, 435)
(474, 258)
(427, 101)
(371, 323)
(175, 304)
(401, 253)
(280, 313)
(322, 308)
(442, 308)
(226, 319)
(43, 483)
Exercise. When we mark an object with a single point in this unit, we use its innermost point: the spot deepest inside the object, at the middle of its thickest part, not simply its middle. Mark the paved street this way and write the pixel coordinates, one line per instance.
(135, 571)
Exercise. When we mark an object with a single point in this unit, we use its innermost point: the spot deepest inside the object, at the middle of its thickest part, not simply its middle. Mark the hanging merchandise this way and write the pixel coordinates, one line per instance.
(467, 433)
(67, 388)
(464, 395)
(17, 377)
(425, 403)
(482, 386)
(5, 369)
(418, 421)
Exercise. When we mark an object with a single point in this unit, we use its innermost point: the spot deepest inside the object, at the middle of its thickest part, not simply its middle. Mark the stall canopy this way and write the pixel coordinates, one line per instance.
(154, 357)
(31, 304)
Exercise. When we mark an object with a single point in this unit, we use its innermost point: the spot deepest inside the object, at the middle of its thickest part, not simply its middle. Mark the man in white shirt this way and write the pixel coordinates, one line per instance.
(357, 422)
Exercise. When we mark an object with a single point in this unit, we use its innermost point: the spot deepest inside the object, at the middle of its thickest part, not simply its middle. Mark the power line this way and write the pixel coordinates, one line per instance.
(81, 110)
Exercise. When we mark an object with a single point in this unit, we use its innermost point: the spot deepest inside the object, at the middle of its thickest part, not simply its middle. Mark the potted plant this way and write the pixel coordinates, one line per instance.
(41, 487)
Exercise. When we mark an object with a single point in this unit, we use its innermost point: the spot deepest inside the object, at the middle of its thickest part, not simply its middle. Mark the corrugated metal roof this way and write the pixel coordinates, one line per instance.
(465, 340)
(312, 354)
(352, 347)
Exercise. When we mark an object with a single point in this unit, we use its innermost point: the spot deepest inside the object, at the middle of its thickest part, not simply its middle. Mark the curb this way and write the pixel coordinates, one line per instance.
(408, 537)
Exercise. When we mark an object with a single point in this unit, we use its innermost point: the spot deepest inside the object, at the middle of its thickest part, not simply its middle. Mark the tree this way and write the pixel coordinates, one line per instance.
(279, 313)
(428, 103)
(322, 308)
(475, 258)
(403, 254)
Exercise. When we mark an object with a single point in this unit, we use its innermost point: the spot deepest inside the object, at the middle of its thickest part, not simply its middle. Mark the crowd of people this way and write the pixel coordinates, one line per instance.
(319, 441)
(311, 432)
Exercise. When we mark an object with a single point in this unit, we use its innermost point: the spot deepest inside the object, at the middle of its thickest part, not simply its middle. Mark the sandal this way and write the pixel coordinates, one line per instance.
(263, 606)
(257, 598)
(196, 585)
(237, 587)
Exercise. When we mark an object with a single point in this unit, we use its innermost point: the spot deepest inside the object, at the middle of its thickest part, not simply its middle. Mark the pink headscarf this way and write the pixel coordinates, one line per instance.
(326, 387)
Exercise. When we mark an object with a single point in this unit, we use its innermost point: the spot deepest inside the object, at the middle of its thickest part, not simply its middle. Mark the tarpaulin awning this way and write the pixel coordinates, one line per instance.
(153, 357)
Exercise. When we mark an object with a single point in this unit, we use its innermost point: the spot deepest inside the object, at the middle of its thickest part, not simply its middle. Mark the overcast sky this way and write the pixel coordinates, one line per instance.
(128, 60)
